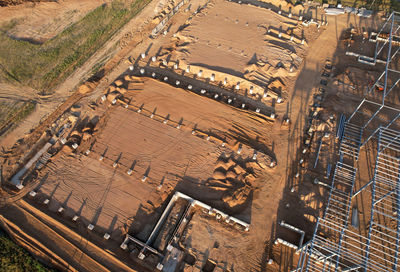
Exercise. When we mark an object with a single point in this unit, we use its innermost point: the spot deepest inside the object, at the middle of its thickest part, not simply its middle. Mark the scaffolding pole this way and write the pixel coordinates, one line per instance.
(367, 247)
(333, 246)
(396, 254)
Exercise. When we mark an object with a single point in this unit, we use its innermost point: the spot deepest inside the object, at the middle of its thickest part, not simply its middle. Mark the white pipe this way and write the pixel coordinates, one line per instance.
(15, 180)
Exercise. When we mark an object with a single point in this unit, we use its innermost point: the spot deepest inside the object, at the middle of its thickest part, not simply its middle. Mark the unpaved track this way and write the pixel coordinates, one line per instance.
(136, 25)
(309, 77)
(297, 109)
(42, 21)
(49, 104)
(33, 245)
(74, 249)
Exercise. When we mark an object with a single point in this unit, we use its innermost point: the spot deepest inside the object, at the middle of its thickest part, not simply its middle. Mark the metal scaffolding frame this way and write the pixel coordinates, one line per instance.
(327, 251)
(334, 247)
(386, 45)
(387, 42)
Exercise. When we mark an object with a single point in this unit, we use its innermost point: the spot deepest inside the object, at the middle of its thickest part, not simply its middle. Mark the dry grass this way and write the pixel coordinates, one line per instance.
(11, 113)
(44, 66)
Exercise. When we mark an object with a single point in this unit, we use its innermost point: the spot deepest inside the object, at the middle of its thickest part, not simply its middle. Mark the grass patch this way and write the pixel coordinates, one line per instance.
(44, 66)
(15, 258)
(12, 113)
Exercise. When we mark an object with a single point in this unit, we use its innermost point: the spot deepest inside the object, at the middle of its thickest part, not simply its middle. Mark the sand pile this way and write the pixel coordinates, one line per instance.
(286, 5)
(271, 75)
(242, 45)
(235, 177)
(165, 9)
(227, 80)
(86, 88)
(288, 35)
(121, 86)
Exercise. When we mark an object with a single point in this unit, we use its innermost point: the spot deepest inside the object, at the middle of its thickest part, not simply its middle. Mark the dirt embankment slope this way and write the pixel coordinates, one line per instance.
(17, 2)
(46, 106)
(68, 250)
(38, 22)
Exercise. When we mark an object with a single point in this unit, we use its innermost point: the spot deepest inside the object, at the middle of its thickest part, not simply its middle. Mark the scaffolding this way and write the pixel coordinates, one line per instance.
(386, 49)
(334, 246)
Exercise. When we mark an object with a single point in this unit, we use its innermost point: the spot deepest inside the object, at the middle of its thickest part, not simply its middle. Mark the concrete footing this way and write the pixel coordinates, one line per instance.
(141, 256)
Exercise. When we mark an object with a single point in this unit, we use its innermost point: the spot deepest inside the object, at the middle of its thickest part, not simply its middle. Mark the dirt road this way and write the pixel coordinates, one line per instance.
(48, 104)
(79, 253)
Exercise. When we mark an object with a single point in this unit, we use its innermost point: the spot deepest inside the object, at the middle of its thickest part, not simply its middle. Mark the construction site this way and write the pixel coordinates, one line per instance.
(223, 135)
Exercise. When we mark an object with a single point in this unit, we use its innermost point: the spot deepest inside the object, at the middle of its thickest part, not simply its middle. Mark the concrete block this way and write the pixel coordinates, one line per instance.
(141, 256)
(32, 193)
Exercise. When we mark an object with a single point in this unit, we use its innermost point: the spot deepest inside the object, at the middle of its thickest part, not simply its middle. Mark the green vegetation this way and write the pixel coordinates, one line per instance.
(44, 66)
(11, 113)
(385, 5)
(14, 258)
